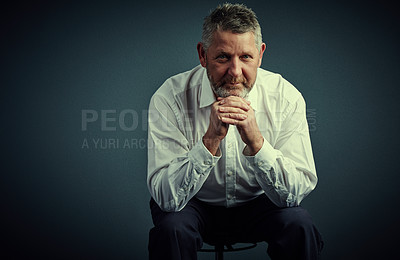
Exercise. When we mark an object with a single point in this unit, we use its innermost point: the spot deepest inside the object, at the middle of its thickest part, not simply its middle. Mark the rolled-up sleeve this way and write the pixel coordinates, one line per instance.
(176, 168)
(286, 172)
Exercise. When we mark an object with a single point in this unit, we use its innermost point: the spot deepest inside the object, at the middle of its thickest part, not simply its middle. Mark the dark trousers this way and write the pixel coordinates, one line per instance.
(289, 232)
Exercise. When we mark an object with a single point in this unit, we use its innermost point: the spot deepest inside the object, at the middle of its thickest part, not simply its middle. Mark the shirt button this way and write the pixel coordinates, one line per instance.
(229, 197)
(230, 173)
(259, 163)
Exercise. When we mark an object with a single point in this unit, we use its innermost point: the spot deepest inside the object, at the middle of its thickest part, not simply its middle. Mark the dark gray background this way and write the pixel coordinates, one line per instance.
(58, 59)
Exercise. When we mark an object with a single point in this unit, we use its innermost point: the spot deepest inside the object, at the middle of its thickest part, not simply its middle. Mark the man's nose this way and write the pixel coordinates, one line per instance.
(235, 68)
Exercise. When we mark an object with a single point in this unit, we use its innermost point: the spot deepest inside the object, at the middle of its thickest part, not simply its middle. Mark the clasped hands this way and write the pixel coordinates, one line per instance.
(236, 111)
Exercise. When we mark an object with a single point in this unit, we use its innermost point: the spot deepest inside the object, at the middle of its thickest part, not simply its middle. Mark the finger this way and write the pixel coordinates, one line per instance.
(230, 121)
(235, 116)
(223, 109)
(238, 104)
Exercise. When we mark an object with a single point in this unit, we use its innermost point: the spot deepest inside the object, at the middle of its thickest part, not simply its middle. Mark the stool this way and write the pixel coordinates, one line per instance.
(222, 242)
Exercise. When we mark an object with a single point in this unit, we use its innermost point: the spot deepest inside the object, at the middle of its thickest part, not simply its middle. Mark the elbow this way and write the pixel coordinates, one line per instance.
(288, 201)
(292, 200)
(167, 198)
(285, 199)
(168, 206)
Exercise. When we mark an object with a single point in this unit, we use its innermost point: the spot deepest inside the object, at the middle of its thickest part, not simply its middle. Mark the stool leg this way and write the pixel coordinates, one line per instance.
(219, 252)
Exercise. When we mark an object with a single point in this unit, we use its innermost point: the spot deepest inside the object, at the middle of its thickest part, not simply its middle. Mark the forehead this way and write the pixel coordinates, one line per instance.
(227, 40)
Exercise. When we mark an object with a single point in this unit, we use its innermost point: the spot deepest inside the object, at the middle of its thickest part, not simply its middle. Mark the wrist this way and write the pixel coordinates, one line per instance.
(211, 143)
(253, 148)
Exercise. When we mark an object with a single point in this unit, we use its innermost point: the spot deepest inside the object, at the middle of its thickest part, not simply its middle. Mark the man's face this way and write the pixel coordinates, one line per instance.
(231, 62)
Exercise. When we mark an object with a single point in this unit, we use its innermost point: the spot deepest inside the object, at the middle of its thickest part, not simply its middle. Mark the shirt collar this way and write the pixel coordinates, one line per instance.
(253, 95)
(207, 95)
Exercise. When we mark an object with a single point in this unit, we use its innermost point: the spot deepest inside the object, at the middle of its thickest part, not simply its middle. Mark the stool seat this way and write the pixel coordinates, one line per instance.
(229, 248)
(223, 242)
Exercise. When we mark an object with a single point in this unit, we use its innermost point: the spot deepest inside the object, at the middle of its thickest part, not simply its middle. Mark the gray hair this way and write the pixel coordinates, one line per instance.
(236, 18)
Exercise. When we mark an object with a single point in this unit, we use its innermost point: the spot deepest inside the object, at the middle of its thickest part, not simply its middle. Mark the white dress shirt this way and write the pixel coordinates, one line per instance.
(180, 166)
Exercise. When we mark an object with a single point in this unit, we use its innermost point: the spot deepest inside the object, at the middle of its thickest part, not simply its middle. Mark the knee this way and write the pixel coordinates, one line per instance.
(174, 225)
(299, 238)
(299, 221)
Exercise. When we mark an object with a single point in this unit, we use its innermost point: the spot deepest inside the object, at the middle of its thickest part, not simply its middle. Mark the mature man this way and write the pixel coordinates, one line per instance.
(229, 148)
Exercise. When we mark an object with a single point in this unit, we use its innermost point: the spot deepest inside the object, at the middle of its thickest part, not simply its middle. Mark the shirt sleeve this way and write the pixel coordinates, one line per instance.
(177, 169)
(286, 172)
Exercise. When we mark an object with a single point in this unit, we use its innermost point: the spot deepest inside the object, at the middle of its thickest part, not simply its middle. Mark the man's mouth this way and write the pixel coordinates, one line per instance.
(233, 85)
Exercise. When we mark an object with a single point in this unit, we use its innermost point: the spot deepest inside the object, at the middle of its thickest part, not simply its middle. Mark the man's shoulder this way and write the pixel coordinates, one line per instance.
(274, 84)
(181, 82)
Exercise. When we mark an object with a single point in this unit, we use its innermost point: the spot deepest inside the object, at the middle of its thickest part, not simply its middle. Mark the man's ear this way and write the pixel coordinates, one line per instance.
(262, 50)
(202, 54)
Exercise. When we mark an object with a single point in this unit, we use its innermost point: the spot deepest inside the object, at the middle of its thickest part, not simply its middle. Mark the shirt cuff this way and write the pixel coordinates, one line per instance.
(202, 159)
(264, 158)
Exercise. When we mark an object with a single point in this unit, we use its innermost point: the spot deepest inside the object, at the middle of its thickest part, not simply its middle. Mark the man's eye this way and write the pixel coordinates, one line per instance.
(222, 57)
(245, 57)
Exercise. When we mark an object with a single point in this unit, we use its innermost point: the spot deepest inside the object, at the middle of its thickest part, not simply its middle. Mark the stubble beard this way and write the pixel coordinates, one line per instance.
(221, 89)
